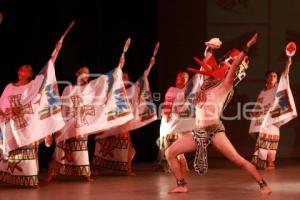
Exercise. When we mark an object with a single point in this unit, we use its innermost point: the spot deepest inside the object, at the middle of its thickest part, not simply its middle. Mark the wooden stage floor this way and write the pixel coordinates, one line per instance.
(223, 181)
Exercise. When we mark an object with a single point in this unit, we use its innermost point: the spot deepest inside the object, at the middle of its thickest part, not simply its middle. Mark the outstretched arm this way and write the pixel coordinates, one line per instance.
(209, 51)
(287, 66)
(231, 73)
(59, 43)
(56, 51)
(152, 60)
(122, 61)
(151, 64)
(125, 49)
(211, 45)
(208, 54)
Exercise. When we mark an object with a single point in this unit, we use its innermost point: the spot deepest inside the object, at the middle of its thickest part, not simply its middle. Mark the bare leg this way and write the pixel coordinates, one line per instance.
(184, 144)
(130, 157)
(95, 172)
(52, 171)
(224, 146)
(88, 179)
(48, 179)
(270, 159)
(183, 164)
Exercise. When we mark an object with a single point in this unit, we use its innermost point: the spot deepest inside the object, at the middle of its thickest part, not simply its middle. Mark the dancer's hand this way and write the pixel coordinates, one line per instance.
(152, 61)
(252, 41)
(151, 64)
(213, 46)
(56, 50)
(58, 44)
(214, 43)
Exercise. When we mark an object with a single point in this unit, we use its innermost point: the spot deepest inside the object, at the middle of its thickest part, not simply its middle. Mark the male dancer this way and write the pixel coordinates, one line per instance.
(210, 102)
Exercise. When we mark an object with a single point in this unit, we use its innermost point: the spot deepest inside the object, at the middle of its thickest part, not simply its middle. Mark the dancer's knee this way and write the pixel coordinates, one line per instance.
(181, 158)
(170, 153)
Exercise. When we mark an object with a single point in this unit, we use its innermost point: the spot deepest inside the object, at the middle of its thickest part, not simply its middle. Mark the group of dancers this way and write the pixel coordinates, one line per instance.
(181, 133)
(33, 112)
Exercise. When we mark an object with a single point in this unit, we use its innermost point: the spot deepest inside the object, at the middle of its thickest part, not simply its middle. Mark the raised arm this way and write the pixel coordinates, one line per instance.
(208, 55)
(152, 60)
(56, 51)
(231, 73)
(211, 45)
(59, 43)
(122, 57)
(287, 66)
(122, 61)
(151, 64)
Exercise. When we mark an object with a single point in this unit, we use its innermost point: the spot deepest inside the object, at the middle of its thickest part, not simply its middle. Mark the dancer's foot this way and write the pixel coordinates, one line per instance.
(48, 179)
(96, 173)
(88, 179)
(179, 189)
(130, 173)
(271, 165)
(265, 190)
(158, 167)
(36, 187)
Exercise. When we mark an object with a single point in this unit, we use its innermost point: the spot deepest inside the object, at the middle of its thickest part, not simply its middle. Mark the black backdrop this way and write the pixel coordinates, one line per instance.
(30, 30)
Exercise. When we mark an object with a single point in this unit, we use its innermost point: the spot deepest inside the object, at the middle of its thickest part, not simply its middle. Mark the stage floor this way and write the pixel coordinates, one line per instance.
(223, 181)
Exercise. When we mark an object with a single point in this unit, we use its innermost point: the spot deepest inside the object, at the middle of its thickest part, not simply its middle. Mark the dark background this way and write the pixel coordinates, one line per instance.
(30, 30)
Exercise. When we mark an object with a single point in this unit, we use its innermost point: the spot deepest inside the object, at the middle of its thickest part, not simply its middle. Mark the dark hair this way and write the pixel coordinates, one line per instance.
(29, 67)
(78, 70)
(180, 73)
(271, 71)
